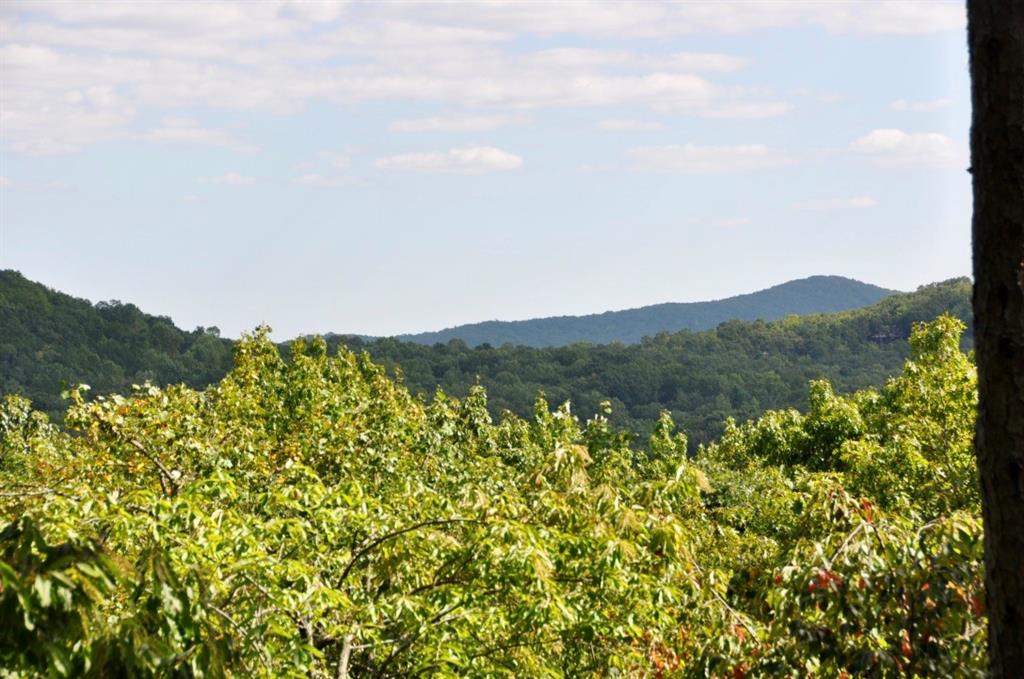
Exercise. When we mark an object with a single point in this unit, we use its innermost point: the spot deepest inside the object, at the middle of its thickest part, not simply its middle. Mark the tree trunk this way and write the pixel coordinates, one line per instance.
(346, 653)
(996, 40)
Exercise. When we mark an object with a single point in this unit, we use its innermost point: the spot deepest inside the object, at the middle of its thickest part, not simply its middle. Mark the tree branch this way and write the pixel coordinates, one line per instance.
(166, 477)
(346, 653)
(384, 538)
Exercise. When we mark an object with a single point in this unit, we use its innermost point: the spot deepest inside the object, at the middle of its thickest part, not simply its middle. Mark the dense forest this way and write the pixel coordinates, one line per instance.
(816, 294)
(49, 340)
(736, 370)
(307, 517)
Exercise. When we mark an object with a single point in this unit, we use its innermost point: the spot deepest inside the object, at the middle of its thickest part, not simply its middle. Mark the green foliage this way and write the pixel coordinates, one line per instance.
(48, 600)
(309, 517)
(49, 340)
(737, 370)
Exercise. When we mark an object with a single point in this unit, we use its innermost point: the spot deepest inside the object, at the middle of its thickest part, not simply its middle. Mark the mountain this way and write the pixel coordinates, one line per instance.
(740, 368)
(49, 340)
(817, 294)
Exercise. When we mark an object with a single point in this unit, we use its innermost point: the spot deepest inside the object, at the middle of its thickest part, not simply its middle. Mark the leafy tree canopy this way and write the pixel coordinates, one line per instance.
(740, 369)
(309, 517)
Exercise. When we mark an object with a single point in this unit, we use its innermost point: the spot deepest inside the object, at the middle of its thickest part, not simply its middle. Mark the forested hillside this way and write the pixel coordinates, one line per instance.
(48, 339)
(817, 294)
(737, 370)
(309, 518)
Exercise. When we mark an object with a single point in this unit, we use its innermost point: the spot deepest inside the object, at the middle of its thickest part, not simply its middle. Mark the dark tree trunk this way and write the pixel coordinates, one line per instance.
(996, 40)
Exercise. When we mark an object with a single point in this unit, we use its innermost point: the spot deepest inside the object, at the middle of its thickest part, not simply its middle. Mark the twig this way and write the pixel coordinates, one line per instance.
(846, 542)
(733, 611)
(384, 538)
(44, 491)
(166, 477)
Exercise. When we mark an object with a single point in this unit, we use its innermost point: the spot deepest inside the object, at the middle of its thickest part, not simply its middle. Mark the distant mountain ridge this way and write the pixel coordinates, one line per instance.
(49, 340)
(812, 295)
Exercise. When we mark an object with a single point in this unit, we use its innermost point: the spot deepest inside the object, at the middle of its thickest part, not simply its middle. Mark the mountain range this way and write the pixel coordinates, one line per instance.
(816, 294)
(49, 340)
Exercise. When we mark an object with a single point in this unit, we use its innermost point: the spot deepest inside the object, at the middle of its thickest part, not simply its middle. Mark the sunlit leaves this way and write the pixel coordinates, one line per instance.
(308, 517)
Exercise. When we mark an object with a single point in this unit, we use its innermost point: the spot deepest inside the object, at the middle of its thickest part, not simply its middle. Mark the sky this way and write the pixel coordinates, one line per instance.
(398, 167)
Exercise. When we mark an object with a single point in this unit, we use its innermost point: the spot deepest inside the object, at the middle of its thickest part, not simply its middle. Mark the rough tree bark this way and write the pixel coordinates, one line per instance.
(996, 40)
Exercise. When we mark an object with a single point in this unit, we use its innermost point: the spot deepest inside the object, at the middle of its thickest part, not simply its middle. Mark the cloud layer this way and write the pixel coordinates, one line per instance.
(629, 125)
(468, 160)
(461, 123)
(77, 74)
(891, 147)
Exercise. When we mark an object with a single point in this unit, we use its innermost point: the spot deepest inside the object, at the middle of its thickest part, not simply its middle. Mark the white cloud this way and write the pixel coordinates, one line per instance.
(465, 123)
(692, 159)
(741, 109)
(921, 106)
(331, 160)
(46, 109)
(82, 75)
(326, 171)
(832, 98)
(318, 180)
(468, 160)
(891, 147)
(907, 17)
(188, 131)
(37, 186)
(629, 125)
(578, 57)
(707, 62)
(625, 18)
(317, 11)
(233, 179)
(829, 204)
(54, 186)
(338, 161)
(732, 223)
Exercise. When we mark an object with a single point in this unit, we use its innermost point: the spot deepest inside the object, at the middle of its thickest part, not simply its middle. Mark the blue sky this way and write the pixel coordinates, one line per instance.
(398, 167)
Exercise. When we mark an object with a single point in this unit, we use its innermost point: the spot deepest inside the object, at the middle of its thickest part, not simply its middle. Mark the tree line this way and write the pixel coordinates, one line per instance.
(49, 341)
